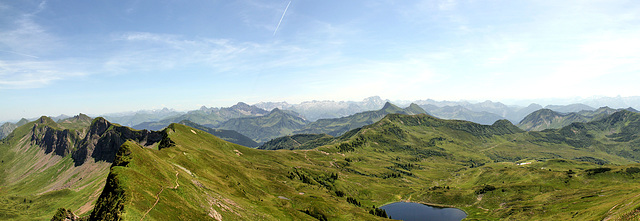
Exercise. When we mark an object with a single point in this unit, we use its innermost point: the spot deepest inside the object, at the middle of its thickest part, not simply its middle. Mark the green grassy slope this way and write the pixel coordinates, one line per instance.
(490, 171)
(297, 142)
(34, 184)
(46, 165)
(201, 177)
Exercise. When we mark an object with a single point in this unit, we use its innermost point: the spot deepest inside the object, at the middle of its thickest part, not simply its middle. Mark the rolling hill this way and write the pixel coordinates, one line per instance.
(297, 142)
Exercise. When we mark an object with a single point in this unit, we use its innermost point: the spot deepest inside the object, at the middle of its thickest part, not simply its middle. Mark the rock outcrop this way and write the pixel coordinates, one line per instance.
(101, 141)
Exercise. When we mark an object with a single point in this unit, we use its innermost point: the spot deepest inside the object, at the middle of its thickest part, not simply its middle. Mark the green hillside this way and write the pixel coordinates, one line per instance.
(46, 165)
(297, 142)
(339, 126)
(490, 171)
(585, 171)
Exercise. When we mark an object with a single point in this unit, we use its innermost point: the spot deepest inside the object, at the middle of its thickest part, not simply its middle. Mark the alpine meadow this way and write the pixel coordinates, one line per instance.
(319, 110)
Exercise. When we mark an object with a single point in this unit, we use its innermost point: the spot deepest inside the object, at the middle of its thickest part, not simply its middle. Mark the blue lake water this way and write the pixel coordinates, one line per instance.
(415, 211)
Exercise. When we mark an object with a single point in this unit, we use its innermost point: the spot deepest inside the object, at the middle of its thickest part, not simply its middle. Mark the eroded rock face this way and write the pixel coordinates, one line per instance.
(101, 142)
(52, 140)
(104, 139)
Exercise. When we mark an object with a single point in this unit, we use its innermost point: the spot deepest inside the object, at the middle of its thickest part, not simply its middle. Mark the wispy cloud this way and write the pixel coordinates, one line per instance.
(32, 74)
(22, 46)
(142, 51)
(24, 36)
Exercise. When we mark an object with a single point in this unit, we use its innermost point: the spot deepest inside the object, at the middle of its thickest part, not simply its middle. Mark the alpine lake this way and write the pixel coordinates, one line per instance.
(409, 211)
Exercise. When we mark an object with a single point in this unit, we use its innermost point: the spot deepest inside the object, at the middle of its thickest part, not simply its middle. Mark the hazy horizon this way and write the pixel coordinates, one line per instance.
(103, 57)
(402, 103)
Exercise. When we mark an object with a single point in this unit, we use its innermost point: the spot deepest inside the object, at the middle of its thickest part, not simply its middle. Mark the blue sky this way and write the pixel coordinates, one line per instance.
(108, 56)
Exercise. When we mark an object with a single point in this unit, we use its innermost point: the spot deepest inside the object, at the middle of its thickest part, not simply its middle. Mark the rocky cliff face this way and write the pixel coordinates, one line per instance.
(104, 139)
(52, 140)
(101, 141)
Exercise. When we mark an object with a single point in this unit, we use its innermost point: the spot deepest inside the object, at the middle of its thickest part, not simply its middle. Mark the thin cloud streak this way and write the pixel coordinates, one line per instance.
(283, 13)
(34, 74)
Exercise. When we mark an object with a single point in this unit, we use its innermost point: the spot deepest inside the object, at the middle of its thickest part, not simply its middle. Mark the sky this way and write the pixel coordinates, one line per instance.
(103, 56)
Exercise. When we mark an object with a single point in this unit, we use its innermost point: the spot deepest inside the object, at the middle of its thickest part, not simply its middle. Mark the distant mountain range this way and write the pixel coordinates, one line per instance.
(209, 117)
(549, 119)
(331, 117)
(338, 126)
(264, 128)
(314, 110)
(227, 135)
(8, 127)
(134, 118)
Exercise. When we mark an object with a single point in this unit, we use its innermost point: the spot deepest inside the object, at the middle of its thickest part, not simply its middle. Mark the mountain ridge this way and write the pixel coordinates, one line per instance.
(338, 126)
(263, 128)
(549, 119)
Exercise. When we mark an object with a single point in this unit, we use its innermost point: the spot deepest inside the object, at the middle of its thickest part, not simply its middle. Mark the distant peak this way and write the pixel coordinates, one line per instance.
(376, 98)
(82, 116)
(44, 119)
(534, 105)
(22, 121)
(387, 105)
(241, 106)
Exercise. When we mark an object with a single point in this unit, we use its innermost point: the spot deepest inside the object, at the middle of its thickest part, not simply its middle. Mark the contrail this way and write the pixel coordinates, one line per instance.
(285, 12)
